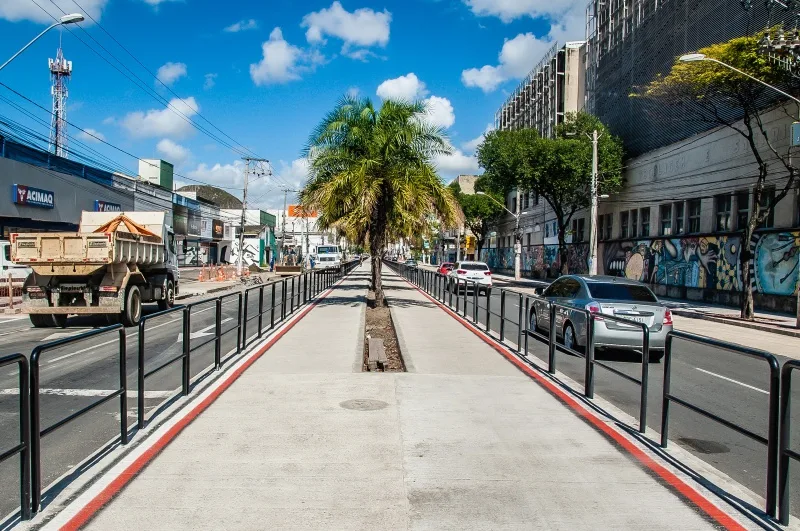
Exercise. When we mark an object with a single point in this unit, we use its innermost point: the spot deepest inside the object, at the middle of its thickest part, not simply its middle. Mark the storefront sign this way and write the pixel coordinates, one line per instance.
(29, 196)
(205, 228)
(217, 229)
(193, 223)
(105, 206)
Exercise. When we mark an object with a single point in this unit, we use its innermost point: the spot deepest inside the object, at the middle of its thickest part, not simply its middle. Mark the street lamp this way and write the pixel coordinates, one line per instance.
(517, 244)
(63, 21)
(696, 57)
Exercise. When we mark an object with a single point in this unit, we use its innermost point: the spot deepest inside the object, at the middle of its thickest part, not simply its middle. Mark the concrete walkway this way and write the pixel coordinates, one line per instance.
(304, 440)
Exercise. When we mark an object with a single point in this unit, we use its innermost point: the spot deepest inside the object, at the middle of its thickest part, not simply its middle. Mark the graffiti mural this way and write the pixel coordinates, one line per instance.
(539, 258)
(710, 262)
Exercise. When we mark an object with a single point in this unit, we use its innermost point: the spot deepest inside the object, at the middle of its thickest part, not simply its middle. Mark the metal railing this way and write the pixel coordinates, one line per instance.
(37, 432)
(24, 446)
(771, 440)
(785, 453)
(779, 454)
(301, 291)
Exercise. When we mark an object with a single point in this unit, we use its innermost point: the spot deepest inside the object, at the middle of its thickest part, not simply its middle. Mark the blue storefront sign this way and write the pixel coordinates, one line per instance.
(105, 206)
(29, 196)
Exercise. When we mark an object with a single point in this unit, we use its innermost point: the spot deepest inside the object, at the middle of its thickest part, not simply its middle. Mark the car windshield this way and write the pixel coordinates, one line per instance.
(621, 292)
(327, 250)
(474, 267)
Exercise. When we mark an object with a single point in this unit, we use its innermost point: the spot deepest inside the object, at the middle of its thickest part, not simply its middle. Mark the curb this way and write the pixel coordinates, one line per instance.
(722, 320)
(213, 290)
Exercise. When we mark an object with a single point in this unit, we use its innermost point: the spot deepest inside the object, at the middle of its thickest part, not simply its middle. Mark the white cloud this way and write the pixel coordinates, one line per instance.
(440, 112)
(91, 135)
(222, 175)
(173, 152)
(353, 92)
(508, 10)
(156, 3)
(473, 144)
(16, 10)
(169, 73)
(170, 122)
(456, 164)
(362, 28)
(282, 62)
(406, 88)
(210, 81)
(520, 54)
(242, 25)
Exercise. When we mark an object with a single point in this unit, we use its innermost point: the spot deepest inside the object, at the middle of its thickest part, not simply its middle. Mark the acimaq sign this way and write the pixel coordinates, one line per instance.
(297, 211)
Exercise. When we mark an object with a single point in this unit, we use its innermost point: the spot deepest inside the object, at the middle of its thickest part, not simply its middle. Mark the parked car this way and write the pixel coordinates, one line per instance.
(615, 296)
(445, 268)
(474, 273)
(411, 263)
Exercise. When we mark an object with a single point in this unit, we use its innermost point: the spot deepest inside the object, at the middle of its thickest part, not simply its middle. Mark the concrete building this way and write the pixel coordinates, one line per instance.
(301, 232)
(259, 236)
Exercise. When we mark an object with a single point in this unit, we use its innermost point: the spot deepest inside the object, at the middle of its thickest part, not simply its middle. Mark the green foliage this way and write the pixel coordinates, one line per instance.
(480, 211)
(372, 176)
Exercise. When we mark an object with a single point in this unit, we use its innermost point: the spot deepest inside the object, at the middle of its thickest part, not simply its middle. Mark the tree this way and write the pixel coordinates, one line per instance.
(372, 178)
(714, 95)
(480, 211)
(558, 169)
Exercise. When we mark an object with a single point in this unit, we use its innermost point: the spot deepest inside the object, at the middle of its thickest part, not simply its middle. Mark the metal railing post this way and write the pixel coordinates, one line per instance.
(283, 299)
(260, 308)
(36, 434)
(645, 378)
(239, 325)
(187, 327)
(291, 297)
(502, 315)
(784, 500)
(218, 333)
(551, 361)
(123, 383)
(466, 287)
(773, 433)
(245, 318)
(488, 311)
(527, 324)
(519, 324)
(475, 305)
(140, 377)
(665, 391)
(272, 308)
(450, 293)
(588, 379)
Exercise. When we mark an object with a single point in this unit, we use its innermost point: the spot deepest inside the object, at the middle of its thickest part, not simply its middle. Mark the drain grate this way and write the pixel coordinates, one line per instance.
(704, 447)
(363, 404)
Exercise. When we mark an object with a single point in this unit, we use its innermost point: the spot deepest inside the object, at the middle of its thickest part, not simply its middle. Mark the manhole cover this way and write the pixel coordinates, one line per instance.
(363, 404)
(705, 447)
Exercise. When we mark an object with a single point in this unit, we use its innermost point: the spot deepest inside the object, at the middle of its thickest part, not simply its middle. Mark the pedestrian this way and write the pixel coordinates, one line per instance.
(272, 263)
(312, 262)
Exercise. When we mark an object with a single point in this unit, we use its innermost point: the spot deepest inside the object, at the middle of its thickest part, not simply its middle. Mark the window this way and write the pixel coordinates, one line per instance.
(527, 200)
(514, 204)
(679, 217)
(609, 225)
(767, 197)
(577, 230)
(645, 215)
(473, 266)
(722, 207)
(666, 219)
(564, 287)
(694, 215)
(621, 292)
(601, 222)
(742, 208)
(535, 198)
(623, 224)
(7, 252)
(529, 239)
(634, 223)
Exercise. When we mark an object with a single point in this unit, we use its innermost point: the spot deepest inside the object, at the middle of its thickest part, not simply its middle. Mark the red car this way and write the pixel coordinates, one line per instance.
(445, 268)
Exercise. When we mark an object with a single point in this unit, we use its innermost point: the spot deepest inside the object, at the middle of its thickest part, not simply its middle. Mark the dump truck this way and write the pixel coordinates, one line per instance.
(114, 263)
(288, 266)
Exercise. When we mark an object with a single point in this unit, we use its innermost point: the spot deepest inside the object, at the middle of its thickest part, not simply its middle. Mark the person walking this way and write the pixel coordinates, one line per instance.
(272, 263)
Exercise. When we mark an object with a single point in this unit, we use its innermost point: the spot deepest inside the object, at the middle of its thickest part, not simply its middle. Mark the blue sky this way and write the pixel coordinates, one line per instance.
(265, 72)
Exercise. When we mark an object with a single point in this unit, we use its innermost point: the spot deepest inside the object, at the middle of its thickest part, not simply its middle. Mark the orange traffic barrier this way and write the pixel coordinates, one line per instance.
(202, 276)
(220, 274)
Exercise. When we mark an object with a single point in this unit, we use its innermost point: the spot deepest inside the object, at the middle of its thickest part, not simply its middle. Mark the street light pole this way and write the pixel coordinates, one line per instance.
(66, 19)
(517, 238)
(593, 228)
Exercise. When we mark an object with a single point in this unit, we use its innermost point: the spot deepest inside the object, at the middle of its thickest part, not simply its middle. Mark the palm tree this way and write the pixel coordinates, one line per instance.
(372, 177)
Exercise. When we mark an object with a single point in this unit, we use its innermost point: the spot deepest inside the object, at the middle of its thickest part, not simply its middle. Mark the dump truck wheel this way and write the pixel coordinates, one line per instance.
(41, 321)
(59, 320)
(169, 301)
(133, 307)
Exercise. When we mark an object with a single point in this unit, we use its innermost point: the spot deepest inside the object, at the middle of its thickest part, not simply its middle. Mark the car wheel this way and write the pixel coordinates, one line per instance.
(534, 321)
(570, 339)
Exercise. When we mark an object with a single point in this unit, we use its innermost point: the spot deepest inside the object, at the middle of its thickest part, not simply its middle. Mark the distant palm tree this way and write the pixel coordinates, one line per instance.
(372, 176)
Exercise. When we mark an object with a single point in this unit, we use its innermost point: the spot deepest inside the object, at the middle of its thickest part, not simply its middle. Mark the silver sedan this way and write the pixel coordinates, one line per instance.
(601, 295)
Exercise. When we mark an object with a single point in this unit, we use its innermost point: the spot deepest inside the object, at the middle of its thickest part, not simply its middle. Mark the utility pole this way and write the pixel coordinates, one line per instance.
(283, 222)
(247, 162)
(593, 229)
(518, 240)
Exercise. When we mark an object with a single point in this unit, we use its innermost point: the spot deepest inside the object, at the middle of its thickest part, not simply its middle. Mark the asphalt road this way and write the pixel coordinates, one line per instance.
(730, 385)
(78, 374)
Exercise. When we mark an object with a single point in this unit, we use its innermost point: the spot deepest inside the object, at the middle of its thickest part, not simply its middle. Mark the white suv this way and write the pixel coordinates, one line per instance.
(474, 273)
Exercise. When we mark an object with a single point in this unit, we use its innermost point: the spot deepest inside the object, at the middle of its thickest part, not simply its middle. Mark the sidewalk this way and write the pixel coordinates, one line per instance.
(304, 440)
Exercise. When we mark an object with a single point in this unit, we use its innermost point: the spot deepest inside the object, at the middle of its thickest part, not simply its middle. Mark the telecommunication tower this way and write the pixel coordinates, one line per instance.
(60, 72)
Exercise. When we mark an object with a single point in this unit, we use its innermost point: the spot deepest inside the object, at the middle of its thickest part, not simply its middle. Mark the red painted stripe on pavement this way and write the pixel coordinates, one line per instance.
(130, 472)
(669, 477)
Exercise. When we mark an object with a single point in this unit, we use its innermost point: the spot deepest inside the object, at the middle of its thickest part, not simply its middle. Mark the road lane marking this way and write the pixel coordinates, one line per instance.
(90, 392)
(732, 380)
(203, 331)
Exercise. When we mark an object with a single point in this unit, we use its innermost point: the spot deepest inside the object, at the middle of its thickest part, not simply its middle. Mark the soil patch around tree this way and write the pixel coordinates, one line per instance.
(379, 325)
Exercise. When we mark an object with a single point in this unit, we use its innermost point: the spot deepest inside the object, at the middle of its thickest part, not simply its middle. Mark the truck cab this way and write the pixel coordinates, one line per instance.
(7, 267)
